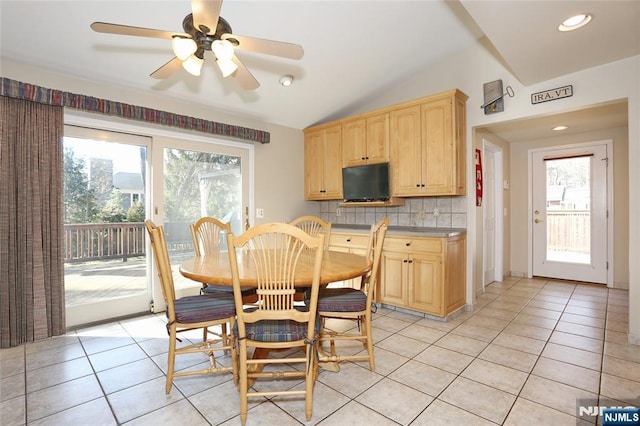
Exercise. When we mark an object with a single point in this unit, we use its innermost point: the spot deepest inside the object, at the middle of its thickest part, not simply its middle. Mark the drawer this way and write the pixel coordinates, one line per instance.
(409, 244)
(349, 240)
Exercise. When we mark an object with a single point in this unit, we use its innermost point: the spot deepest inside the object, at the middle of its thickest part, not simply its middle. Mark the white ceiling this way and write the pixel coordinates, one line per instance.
(353, 49)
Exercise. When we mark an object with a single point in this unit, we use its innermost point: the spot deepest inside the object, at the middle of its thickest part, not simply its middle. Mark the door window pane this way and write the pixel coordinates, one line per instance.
(569, 209)
(104, 211)
(198, 184)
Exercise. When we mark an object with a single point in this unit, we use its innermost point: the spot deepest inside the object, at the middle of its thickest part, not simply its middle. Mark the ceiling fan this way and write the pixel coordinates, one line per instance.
(205, 29)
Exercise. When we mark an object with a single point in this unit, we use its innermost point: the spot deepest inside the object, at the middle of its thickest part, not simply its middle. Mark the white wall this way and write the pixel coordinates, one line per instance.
(470, 69)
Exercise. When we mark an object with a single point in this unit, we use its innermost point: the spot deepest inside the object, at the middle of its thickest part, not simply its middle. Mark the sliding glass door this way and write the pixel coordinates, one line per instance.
(105, 205)
(113, 183)
(198, 179)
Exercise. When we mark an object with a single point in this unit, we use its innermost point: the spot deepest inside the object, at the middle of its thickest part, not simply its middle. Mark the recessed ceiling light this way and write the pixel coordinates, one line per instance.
(286, 80)
(575, 22)
(559, 128)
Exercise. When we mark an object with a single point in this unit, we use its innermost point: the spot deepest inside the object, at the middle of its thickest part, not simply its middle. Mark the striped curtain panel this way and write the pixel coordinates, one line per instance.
(31, 204)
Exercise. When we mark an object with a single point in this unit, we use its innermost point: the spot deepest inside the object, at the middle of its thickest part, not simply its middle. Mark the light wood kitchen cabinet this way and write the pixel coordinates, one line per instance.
(365, 140)
(323, 163)
(425, 274)
(428, 146)
(424, 141)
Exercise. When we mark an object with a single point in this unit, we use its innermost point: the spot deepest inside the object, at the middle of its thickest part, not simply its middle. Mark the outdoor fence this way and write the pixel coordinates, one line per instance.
(569, 231)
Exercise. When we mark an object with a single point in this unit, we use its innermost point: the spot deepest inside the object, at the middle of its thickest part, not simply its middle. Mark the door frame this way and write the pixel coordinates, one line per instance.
(489, 148)
(609, 204)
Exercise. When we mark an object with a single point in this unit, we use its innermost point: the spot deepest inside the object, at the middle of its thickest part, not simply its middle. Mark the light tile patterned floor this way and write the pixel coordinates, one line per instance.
(528, 353)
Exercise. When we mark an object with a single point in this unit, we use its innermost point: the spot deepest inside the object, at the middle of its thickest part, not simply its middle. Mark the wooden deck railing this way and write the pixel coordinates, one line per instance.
(98, 241)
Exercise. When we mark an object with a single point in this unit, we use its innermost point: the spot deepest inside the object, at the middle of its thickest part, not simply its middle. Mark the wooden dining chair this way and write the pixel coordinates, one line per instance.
(209, 235)
(191, 313)
(353, 304)
(313, 226)
(276, 321)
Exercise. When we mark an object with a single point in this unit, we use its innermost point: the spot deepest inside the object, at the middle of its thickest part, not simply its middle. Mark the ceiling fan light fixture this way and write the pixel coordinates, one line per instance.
(575, 22)
(286, 80)
(223, 50)
(193, 65)
(183, 47)
(227, 67)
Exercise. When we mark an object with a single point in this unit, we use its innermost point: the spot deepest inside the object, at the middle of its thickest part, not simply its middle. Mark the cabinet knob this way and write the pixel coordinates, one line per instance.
(363, 158)
(348, 240)
(417, 185)
(410, 261)
(407, 244)
(422, 185)
(404, 261)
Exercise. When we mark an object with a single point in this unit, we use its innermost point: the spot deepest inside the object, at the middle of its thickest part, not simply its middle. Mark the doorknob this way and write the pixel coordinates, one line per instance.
(537, 221)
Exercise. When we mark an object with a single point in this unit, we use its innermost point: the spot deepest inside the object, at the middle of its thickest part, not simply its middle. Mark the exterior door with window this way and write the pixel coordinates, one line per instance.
(569, 217)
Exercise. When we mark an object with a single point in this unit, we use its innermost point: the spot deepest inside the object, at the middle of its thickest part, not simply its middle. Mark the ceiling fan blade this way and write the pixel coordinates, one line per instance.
(104, 27)
(167, 69)
(244, 76)
(206, 13)
(268, 47)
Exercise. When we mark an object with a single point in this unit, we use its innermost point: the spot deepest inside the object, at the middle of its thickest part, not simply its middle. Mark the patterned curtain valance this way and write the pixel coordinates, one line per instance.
(31, 92)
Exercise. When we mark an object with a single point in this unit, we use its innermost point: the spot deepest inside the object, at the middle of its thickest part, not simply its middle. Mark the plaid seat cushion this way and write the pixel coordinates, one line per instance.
(218, 288)
(277, 330)
(208, 307)
(341, 300)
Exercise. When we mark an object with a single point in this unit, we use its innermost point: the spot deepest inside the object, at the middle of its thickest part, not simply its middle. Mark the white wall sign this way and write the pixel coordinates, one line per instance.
(552, 95)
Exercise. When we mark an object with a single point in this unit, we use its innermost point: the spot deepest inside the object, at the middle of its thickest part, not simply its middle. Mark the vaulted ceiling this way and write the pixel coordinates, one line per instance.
(352, 49)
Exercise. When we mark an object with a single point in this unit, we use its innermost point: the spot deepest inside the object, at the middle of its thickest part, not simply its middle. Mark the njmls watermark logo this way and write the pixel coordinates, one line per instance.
(609, 412)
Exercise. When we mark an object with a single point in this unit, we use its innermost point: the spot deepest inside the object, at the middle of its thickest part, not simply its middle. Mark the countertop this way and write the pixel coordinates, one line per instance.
(403, 230)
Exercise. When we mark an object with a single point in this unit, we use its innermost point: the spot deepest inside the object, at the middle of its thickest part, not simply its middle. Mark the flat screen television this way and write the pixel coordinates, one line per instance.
(366, 183)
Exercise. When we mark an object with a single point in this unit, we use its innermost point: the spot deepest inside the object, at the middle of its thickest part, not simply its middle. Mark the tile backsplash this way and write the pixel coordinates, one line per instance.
(428, 212)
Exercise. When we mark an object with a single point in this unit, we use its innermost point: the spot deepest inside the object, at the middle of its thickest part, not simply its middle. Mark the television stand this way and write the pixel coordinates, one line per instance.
(391, 202)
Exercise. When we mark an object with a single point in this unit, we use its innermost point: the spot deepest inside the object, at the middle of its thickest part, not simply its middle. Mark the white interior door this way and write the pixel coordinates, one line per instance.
(569, 213)
(492, 208)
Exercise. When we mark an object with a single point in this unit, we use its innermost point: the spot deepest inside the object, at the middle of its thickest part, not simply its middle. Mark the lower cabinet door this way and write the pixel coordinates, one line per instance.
(425, 283)
(395, 274)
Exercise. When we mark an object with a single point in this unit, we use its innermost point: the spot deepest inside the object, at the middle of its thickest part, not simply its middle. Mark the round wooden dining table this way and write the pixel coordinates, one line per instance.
(336, 266)
(215, 268)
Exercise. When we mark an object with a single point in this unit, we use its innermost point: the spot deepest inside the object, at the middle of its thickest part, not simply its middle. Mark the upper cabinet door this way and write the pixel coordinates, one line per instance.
(323, 163)
(354, 142)
(438, 147)
(313, 165)
(406, 152)
(332, 164)
(378, 138)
